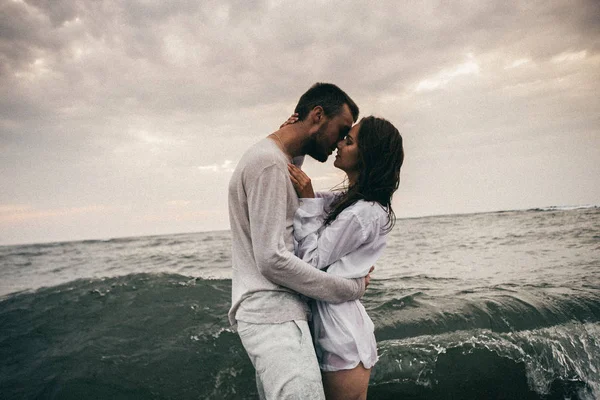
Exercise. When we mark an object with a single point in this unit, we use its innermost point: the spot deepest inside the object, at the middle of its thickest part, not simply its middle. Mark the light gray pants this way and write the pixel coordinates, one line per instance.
(284, 359)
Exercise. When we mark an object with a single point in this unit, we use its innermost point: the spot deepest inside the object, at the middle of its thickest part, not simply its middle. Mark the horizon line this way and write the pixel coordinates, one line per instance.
(541, 209)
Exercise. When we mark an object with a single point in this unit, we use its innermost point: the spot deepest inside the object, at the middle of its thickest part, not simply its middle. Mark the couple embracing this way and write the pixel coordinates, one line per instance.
(301, 260)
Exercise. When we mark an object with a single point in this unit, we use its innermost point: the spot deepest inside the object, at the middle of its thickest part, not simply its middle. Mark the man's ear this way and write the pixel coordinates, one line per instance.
(317, 114)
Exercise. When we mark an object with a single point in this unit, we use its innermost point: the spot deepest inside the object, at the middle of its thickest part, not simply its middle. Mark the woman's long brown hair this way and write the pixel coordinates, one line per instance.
(381, 155)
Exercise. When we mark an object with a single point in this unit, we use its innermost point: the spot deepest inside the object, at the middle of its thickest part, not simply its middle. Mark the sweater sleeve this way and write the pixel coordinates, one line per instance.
(267, 205)
(321, 245)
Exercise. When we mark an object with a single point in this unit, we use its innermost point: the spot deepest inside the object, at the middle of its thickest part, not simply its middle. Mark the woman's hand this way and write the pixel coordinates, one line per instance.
(301, 182)
(292, 119)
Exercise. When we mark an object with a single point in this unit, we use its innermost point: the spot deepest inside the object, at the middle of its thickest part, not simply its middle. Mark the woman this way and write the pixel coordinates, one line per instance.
(345, 234)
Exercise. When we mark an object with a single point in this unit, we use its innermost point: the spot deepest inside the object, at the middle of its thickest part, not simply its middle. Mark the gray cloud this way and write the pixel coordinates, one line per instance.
(117, 104)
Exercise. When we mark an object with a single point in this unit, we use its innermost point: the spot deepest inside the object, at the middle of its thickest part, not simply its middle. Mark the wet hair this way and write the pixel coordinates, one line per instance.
(328, 96)
(380, 157)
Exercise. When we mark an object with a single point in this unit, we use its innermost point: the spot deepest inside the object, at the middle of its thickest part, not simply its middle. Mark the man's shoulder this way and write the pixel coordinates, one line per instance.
(261, 155)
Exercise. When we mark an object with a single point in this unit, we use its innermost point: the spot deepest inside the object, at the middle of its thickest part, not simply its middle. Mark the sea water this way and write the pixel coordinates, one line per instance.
(502, 305)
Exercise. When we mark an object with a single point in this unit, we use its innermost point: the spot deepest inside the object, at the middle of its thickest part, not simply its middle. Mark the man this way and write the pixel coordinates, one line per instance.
(268, 279)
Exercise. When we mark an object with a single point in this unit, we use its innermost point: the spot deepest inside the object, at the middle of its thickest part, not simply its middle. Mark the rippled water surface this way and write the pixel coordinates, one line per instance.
(512, 298)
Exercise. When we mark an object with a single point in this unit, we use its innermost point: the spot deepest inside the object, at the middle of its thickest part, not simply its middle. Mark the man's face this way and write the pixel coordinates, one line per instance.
(332, 130)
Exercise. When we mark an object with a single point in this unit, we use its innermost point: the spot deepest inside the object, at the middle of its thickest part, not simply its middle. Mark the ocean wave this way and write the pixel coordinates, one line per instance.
(565, 208)
(167, 336)
(27, 252)
(427, 277)
(556, 362)
(497, 309)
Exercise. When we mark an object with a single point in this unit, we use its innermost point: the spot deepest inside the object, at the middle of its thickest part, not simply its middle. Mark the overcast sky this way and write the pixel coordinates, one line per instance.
(121, 118)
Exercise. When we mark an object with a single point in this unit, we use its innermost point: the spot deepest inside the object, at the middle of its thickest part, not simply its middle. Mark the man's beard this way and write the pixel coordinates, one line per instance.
(316, 145)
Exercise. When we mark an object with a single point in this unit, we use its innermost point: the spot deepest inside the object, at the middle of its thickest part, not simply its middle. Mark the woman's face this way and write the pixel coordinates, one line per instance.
(347, 158)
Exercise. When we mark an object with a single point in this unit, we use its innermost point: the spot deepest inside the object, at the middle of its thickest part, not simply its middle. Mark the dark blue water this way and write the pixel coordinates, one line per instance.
(482, 306)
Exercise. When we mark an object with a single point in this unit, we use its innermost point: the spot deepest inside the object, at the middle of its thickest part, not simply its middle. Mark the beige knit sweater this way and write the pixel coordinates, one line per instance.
(267, 276)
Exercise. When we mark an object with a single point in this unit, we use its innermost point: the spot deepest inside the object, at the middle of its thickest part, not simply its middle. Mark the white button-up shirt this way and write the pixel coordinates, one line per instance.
(348, 247)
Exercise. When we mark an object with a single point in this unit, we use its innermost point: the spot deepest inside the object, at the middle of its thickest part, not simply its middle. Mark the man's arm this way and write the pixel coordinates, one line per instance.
(267, 204)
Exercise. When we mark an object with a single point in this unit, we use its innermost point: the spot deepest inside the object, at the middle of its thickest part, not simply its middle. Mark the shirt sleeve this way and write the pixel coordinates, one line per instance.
(328, 198)
(311, 214)
(308, 219)
(267, 206)
(321, 245)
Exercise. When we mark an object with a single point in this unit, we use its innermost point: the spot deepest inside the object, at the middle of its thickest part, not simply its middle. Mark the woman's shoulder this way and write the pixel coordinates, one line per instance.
(368, 212)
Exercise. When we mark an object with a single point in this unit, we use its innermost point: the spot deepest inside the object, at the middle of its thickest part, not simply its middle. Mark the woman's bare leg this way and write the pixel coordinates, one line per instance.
(348, 384)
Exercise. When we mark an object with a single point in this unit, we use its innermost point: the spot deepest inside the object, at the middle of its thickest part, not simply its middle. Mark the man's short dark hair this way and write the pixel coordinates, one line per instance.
(328, 96)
